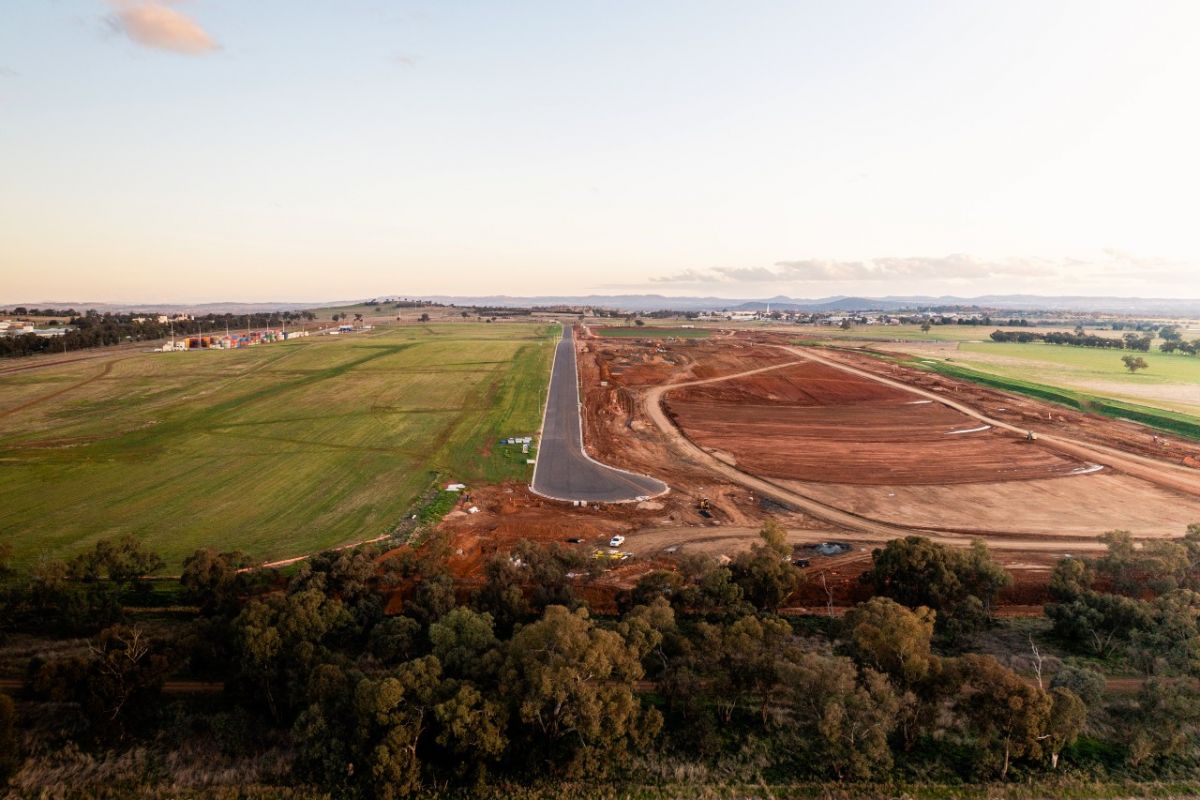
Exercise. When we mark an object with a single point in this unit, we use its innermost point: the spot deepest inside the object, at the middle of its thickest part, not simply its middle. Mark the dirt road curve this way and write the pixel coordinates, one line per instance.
(1171, 476)
(564, 471)
(732, 537)
(652, 404)
(1160, 473)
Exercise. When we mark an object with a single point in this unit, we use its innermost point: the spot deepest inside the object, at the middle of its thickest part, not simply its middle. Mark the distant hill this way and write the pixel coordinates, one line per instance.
(831, 304)
(658, 302)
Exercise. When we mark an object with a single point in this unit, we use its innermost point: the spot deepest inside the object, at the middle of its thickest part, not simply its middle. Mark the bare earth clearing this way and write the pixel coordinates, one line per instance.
(842, 447)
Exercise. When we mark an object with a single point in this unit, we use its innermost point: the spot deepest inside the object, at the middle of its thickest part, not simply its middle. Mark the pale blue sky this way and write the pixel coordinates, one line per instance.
(224, 149)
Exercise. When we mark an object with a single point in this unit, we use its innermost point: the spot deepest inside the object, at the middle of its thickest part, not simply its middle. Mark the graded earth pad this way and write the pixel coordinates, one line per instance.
(1078, 507)
(812, 422)
(892, 459)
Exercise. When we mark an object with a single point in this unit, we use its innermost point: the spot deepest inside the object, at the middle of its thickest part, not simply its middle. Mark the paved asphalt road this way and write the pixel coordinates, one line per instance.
(563, 470)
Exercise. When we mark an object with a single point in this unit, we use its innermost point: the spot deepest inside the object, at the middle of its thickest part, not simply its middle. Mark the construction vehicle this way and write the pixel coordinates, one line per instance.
(705, 508)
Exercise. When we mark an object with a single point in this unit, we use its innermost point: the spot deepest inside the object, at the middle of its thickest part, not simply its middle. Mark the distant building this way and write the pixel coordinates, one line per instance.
(16, 328)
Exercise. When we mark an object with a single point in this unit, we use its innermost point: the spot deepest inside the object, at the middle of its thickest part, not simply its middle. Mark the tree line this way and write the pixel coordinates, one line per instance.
(94, 329)
(22, 311)
(515, 681)
(1172, 340)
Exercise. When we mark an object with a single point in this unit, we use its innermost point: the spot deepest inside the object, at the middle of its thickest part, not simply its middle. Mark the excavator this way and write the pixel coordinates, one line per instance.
(705, 508)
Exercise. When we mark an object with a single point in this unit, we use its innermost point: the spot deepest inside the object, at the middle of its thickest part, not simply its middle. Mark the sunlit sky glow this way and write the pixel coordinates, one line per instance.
(194, 150)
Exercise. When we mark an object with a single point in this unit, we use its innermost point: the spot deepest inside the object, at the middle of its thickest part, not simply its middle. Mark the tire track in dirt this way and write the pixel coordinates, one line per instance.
(1170, 476)
(652, 539)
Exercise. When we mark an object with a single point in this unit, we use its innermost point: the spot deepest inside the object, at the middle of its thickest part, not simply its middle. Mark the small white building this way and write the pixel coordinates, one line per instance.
(16, 328)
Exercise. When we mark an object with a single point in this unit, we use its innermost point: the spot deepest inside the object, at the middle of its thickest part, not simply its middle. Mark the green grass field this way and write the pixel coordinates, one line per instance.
(1172, 381)
(1165, 420)
(367, 310)
(651, 332)
(913, 333)
(277, 450)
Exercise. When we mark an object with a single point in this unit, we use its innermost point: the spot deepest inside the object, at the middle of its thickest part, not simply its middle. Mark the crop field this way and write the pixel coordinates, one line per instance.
(652, 332)
(277, 450)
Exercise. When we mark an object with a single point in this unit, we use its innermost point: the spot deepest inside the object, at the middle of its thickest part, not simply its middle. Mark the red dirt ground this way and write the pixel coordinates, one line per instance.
(805, 421)
(812, 422)
(1129, 436)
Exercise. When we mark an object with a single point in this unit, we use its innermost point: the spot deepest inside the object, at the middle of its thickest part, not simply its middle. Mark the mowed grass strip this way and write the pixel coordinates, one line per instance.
(277, 450)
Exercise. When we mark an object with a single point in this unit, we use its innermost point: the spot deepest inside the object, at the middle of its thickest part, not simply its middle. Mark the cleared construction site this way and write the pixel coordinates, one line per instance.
(840, 447)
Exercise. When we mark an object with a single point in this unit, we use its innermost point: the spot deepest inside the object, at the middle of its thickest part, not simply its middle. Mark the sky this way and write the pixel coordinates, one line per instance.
(308, 150)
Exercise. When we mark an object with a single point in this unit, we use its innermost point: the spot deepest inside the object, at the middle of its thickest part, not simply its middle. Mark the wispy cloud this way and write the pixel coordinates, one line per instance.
(1121, 264)
(404, 60)
(956, 266)
(153, 23)
(6, 72)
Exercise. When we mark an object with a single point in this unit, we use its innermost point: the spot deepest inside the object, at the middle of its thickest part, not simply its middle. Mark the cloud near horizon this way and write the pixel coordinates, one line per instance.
(152, 23)
(956, 266)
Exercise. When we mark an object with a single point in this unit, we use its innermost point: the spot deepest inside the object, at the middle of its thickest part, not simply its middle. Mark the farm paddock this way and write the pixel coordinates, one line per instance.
(277, 451)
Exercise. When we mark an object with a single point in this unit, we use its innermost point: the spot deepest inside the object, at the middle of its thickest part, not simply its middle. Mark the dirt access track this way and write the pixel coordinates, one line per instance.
(825, 436)
(959, 462)
(1032, 501)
